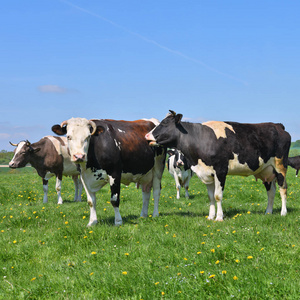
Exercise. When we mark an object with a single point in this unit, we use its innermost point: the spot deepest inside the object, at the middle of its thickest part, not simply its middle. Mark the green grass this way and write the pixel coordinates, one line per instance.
(48, 252)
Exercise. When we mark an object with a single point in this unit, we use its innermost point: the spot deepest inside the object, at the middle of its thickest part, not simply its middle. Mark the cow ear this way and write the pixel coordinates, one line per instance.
(59, 130)
(178, 118)
(171, 152)
(100, 129)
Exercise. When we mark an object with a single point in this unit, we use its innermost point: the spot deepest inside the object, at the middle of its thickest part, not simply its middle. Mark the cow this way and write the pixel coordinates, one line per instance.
(114, 152)
(294, 162)
(179, 168)
(216, 149)
(50, 157)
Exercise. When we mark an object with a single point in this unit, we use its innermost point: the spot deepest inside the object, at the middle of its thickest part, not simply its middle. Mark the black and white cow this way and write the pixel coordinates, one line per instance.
(115, 152)
(217, 149)
(50, 157)
(294, 162)
(179, 168)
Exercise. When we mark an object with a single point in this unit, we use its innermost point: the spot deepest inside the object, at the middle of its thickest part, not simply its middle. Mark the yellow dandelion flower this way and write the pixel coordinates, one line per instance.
(218, 246)
(14, 241)
(93, 253)
(217, 262)
(33, 279)
(237, 261)
(156, 283)
(83, 217)
(212, 250)
(224, 272)
(185, 258)
(178, 274)
(66, 222)
(124, 273)
(203, 243)
(212, 276)
(199, 252)
(163, 293)
(174, 235)
(201, 272)
(235, 278)
(250, 257)
(248, 212)
(126, 254)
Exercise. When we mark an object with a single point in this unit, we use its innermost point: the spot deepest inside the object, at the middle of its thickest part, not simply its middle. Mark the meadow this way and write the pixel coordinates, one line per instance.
(48, 252)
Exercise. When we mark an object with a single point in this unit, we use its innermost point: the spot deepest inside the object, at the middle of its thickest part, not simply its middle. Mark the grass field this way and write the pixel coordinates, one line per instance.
(47, 251)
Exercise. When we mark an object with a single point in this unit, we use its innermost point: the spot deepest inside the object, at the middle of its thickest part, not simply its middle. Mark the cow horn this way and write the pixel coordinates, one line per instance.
(64, 123)
(93, 126)
(15, 145)
(172, 112)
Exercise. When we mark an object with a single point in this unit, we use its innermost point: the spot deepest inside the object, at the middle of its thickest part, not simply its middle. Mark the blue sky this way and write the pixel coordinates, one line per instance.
(209, 60)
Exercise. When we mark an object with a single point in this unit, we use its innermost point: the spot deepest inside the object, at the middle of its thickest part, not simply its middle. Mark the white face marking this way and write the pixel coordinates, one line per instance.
(78, 135)
(18, 149)
(121, 130)
(219, 128)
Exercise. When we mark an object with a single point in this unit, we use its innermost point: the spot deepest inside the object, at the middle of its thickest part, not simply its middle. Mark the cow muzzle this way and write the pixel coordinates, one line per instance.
(151, 140)
(78, 158)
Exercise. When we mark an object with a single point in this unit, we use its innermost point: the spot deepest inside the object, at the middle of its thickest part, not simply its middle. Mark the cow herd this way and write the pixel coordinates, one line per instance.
(103, 151)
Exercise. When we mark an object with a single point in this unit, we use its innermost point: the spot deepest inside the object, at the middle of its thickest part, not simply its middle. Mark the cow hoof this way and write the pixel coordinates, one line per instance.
(118, 223)
(59, 202)
(92, 223)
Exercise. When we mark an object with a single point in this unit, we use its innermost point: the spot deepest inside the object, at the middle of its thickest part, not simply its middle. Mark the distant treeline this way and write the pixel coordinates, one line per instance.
(295, 148)
(6, 156)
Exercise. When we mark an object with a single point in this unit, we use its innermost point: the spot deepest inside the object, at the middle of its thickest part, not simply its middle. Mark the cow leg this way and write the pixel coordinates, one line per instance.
(146, 198)
(211, 195)
(115, 188)
(78, 188)
(186, 186)
(177, 185)
(58, 190)
(297, 172)
(271, 190)
(219, 196)
(45, 189)
(159, 169)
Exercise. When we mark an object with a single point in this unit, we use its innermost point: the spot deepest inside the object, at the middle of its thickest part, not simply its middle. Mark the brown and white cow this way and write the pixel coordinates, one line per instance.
(180, 169)
(114, 152)
(294, 162)
(50, 157)
(217, 149)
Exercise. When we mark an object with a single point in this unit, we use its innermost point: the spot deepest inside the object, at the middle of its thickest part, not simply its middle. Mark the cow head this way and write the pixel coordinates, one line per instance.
(22, 154)
(79, 132)
(163, 134)
(179, 158)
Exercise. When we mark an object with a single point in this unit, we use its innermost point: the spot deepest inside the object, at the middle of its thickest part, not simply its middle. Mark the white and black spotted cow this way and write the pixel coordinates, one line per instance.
(217, 149)
(179, 168)
(50, 157)
(115, 152)
(294, 162)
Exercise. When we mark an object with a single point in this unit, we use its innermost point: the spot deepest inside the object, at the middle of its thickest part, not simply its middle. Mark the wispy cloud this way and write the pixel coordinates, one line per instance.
(55, 89)
(175, 52)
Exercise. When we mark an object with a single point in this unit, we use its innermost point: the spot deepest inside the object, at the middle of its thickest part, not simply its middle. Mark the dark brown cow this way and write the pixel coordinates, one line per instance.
(217, 149)
(114, 152)
(50, 157)
(294, 162)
